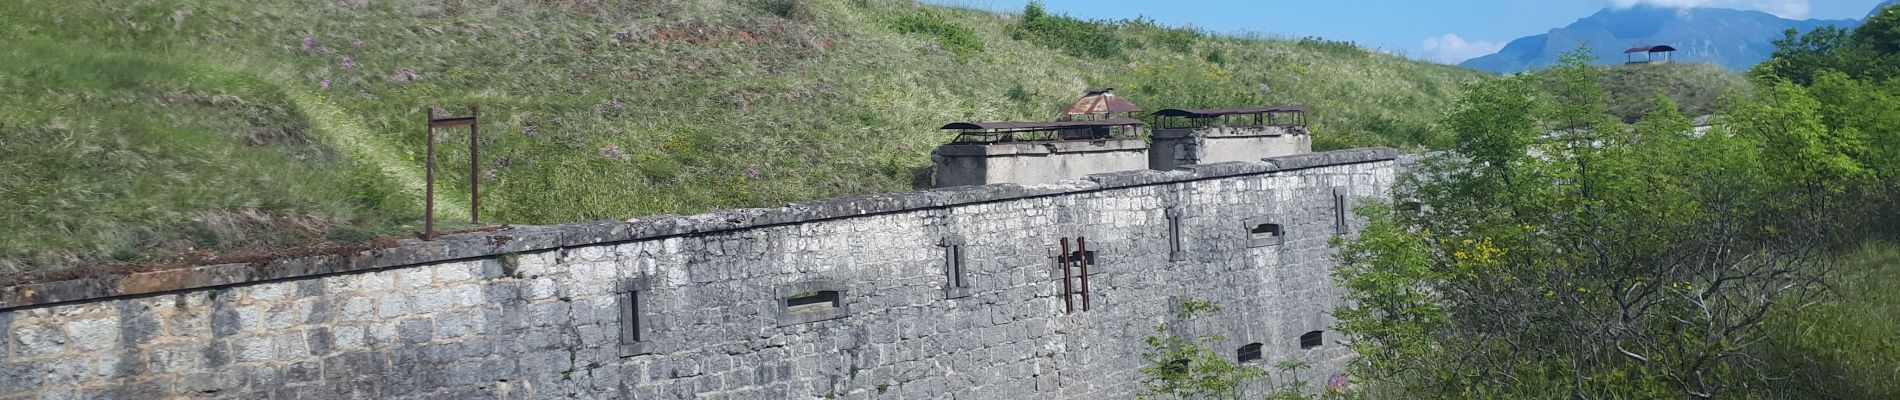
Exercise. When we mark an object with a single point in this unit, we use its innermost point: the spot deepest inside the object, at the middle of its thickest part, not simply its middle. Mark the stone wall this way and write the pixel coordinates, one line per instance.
(1178, 147)
(695, 307)
(966, 164)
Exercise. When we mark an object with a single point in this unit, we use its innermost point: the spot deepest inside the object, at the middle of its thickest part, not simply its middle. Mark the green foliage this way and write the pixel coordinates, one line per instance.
(1188, 368)
(1562, 253)
(1697, 89)
(1076, 37)
(958, 39)
(589, 111)
(1880, 33)
(1843, 347)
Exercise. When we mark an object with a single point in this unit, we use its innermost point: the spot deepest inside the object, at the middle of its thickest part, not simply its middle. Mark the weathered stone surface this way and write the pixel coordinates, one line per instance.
(534, 312)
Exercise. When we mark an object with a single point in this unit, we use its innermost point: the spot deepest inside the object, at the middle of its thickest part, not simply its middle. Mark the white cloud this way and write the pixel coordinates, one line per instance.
(1792, 9)
(1451, 49)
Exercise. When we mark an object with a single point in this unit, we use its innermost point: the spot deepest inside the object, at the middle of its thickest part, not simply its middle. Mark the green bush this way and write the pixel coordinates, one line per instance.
(1080, 38)
(952, 37)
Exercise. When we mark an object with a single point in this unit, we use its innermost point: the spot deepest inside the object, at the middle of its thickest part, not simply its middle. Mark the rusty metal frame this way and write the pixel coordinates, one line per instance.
(474, 165)
(1074, 264)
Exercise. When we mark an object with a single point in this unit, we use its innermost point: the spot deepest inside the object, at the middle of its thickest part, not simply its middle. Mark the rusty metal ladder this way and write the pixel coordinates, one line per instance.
(1073, 264)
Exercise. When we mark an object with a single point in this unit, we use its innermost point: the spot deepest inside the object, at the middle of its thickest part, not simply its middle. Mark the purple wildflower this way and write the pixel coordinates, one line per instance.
(347, 63)
(612, 152)
(531, 131)
(623, 35)
(489, 174)
(752, 173)
(356, 42)
(309, 43)
(618, 105)
(324, 83)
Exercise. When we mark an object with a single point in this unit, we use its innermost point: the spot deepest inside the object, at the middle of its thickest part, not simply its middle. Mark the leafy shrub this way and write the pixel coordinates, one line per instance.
(1336, 47)
(1080, 38)
(952, 37)
(1179, 40)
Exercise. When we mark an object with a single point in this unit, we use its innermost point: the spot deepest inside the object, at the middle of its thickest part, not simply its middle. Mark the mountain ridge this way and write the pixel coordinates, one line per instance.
(1733, 39)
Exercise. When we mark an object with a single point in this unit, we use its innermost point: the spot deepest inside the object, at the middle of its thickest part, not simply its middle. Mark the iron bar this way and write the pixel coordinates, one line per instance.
(1082, 250)
(1067, 292)
(428, 202)
(474, 163)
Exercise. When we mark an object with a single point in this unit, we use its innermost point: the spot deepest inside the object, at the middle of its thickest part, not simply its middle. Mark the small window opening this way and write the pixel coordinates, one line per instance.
(959, 278)
(636, 335)
(1339, 211)
(1265, 231)
(1250, 352)
(812, 300)
(1174, 234)
(1311, 340)
(1411, 207)
(1087, 257)
(630, 321)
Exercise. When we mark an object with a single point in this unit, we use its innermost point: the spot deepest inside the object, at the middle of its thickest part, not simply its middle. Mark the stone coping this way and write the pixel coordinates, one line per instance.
(535, 238)
(1041, 148)
(1230, 131)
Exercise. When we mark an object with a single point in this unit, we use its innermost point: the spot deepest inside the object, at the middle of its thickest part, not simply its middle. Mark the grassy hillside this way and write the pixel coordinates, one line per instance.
(1843, 346)
(1696, 88)
(134, 129)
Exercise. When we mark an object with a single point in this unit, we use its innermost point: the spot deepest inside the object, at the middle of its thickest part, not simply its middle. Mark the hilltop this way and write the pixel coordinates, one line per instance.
(139, 132)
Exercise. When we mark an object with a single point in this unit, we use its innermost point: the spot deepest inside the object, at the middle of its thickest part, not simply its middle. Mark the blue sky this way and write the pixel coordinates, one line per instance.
(1439, 30)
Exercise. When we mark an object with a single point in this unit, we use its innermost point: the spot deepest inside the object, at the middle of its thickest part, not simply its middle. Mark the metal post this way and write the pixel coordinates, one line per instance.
(474, 173)
(1082, 252)
(1063, 259)
(428, 202)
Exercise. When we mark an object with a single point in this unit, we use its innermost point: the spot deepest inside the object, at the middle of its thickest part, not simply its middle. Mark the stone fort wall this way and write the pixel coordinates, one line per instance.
(695, 307)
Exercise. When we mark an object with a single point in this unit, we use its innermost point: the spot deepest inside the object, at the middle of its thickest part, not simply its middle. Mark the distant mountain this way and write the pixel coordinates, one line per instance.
(1733, 39)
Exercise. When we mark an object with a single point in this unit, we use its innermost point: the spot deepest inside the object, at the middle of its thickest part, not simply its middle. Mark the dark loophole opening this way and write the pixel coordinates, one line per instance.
(1265, 231)
(1250, 352)
(633, 316)
(813, 300)
(1311, 340)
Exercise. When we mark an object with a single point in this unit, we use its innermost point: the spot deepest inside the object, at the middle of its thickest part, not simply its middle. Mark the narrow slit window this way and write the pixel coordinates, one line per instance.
(1249, 353)
(1174, 234)
(636, 328)
(1339, 211)
(630, 322)
(812, 300)
(1411, 207)
(1311, 340)
(953, 257)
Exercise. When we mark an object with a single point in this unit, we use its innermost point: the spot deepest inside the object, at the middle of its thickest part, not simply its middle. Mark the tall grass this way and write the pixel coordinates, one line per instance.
(1846, 346)
(614, 110)
(111, 154)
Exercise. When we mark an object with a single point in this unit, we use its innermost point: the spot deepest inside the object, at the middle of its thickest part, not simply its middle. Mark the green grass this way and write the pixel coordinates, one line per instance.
(1846, 346)
(590, 110)
(1696, 88)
